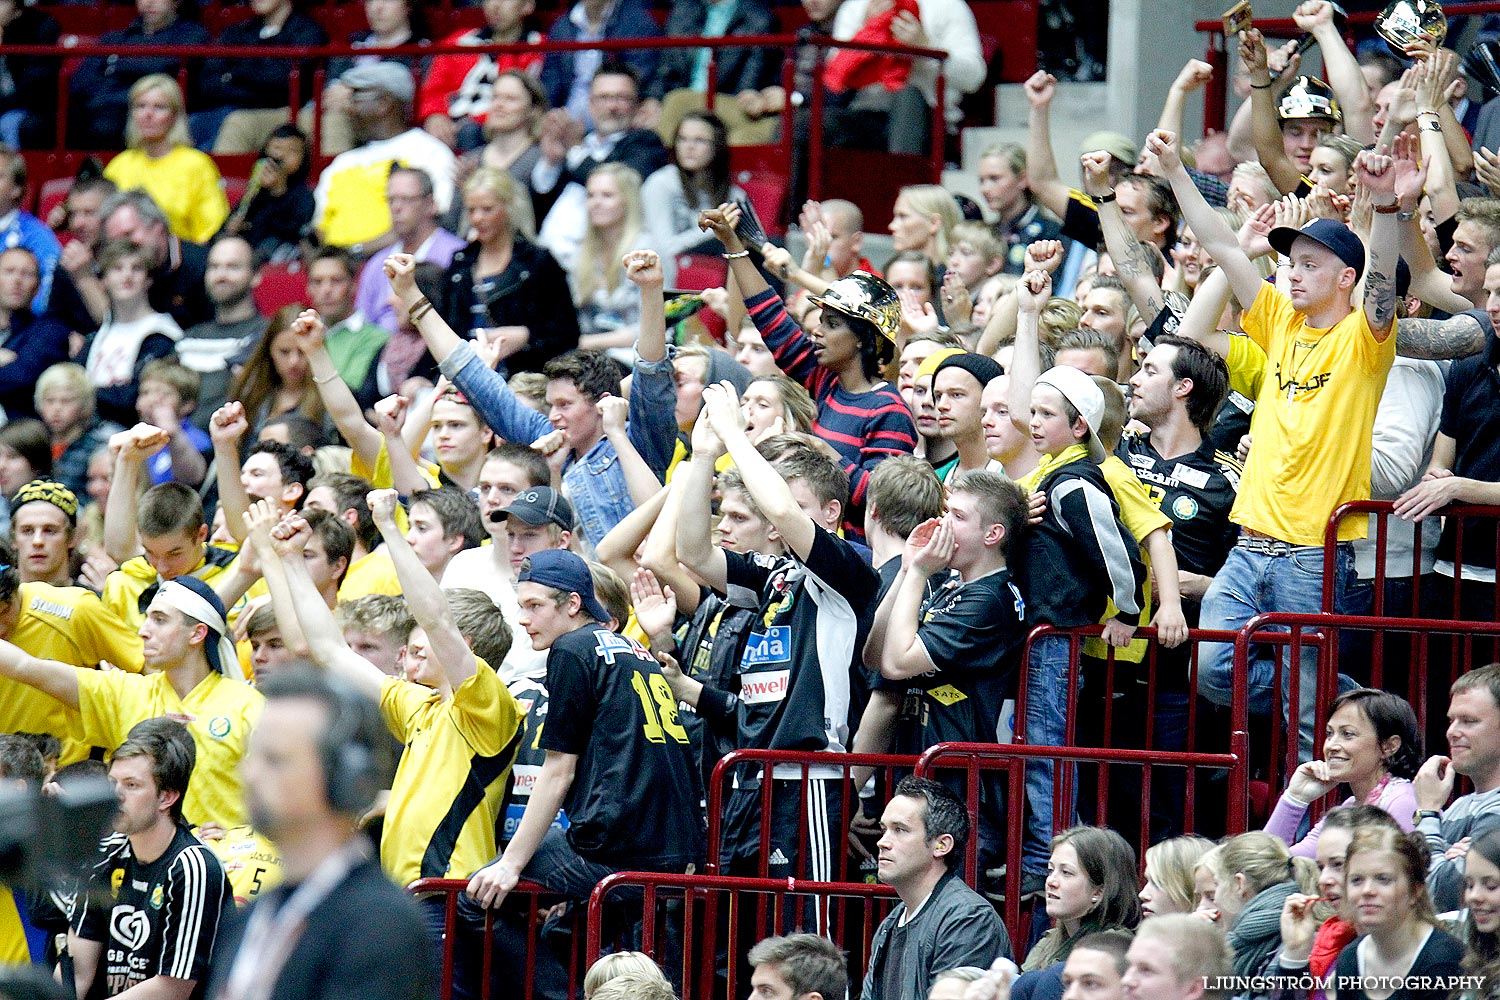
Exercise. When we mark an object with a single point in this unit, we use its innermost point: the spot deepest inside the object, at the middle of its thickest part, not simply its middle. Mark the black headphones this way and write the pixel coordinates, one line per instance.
(351, 776)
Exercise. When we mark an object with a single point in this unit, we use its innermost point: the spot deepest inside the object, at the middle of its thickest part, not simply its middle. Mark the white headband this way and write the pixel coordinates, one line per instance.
(195, 606)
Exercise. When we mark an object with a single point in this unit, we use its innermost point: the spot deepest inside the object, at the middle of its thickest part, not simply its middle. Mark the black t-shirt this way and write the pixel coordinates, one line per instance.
(154, 919)
(1196, 491)
(792, 691)
(973, 632)
(1471, 417)
(635, 799)
(531, 694)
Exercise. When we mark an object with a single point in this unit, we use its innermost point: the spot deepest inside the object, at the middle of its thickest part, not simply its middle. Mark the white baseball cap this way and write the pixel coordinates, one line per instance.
(1079, 389)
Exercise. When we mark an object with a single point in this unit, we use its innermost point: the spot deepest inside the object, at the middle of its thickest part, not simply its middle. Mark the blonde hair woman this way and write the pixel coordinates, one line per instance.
(161, 161)
(502, 281)
(923, 220)
(618, 963)
(609, 307)
(1170, 886)
(1256, 874)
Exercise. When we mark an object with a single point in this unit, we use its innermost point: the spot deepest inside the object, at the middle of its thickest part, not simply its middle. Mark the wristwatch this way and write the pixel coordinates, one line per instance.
(1426, 814)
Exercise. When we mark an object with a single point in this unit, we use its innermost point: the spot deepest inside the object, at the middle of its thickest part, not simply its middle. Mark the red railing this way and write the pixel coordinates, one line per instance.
(929, 171)
(539, 900)
(1380, 513)
(718, 918)
(1216, 96)
(743, 765)
(1325, 632)
(972, 758)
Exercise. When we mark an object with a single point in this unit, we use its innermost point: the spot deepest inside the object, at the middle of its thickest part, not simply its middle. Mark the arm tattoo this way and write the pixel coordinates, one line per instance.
(1380, 299)
(1440, 339)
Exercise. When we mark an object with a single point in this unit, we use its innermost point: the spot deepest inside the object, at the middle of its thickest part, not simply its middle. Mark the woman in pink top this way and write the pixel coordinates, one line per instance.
(1373, 745)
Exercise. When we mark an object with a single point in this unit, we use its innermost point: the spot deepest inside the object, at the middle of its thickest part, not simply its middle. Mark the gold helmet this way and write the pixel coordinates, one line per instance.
(1405, 22)
(1309, 97)
(866, 297)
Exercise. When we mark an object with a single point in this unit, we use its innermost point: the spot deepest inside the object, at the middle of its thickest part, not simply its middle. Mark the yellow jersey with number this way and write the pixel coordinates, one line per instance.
(451, 784)
(68, 625)
(219, 713)
(1314, 419)
(252, 862)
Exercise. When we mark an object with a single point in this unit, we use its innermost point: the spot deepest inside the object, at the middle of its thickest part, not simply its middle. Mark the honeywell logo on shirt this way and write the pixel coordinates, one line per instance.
(525, 776)
(757, 689)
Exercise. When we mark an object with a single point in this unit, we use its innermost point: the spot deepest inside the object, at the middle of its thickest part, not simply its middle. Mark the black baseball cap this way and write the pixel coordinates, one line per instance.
(1335, 236)
(565, 571)
(539, 505)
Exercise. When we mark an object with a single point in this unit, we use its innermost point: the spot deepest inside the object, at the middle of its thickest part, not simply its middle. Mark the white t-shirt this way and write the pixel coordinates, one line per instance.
(113, 352)
(477, 569)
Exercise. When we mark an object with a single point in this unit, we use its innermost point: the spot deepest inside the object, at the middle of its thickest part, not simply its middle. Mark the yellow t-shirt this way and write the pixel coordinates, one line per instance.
(219, 712)
(185, 183)
(15, 946)
(451, 784)
(69, 625)
(1313, 421)
(370, 574)
(1247, 366)
(123, 588)
(252, 862)
(1141, 517)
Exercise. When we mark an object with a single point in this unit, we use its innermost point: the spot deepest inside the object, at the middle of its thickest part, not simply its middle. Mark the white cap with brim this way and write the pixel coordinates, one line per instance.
(1079, 390)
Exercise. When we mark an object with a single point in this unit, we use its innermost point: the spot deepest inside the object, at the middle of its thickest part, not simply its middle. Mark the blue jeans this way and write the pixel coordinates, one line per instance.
(1252, 583)
(1046, 725)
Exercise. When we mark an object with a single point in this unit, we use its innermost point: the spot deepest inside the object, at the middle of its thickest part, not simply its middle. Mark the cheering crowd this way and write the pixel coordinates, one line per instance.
(475, 564)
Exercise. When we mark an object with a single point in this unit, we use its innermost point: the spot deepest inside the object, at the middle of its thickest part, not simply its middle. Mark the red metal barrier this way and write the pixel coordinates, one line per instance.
(1116, 673)
(1216, 100)
(698, 926)
(539, 900)
(743, 765)
(1381, 513)
(1427, 693)
(972, 758)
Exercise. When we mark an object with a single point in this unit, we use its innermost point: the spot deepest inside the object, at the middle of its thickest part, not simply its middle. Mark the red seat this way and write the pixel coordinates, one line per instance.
(763, 172)
(91, 19)
(280, 285)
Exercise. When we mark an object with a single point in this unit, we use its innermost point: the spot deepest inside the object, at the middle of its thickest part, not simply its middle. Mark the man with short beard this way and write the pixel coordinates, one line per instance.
(157, 894)
(210, 348)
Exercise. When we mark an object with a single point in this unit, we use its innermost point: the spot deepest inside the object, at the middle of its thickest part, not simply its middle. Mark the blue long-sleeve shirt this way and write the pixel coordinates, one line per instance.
(594, 481)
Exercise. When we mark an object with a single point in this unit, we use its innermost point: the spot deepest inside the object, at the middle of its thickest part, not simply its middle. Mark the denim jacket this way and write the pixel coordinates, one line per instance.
(594, 483)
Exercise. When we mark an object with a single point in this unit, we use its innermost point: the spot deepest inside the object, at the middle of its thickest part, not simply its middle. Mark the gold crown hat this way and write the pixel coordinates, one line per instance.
(866, 297)
(1309, 97)
(1405, 22)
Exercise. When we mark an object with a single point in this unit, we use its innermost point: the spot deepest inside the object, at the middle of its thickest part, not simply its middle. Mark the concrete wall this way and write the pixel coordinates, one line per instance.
(1149, 41)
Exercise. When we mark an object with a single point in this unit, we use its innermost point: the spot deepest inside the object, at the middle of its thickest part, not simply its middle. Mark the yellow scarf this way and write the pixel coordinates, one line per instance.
(1050, 464)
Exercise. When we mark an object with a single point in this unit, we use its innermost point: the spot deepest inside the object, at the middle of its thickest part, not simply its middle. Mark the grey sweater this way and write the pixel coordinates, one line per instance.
(1468, 816)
